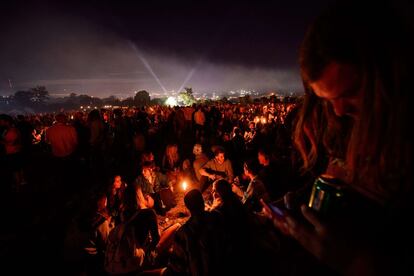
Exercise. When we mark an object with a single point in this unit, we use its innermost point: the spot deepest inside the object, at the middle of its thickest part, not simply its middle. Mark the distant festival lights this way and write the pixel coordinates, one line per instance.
(171, 101)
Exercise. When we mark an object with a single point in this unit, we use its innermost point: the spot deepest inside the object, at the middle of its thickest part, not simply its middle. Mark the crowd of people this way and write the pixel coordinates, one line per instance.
(94, 168)
(100, 183)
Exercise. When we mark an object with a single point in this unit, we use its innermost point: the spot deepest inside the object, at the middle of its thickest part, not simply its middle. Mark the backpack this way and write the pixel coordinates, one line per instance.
(122, 254)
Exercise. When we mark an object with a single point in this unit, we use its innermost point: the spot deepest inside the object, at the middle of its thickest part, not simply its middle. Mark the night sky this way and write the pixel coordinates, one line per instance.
(104, 48)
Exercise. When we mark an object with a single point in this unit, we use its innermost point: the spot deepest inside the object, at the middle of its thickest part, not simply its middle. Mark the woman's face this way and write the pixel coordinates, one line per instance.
(146, 172)
(340, 84)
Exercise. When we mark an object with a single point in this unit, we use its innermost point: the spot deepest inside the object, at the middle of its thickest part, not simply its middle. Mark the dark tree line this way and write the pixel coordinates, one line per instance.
(37, 99)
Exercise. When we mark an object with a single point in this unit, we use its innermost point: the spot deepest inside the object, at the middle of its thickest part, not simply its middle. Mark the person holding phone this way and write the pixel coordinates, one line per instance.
(357, 68)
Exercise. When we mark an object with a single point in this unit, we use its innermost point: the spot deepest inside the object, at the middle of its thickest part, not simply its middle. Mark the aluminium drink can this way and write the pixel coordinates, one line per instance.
(327, 194)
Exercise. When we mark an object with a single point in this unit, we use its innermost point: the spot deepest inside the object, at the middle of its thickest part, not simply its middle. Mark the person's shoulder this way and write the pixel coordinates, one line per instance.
(50, 129)
(204, 157)
(201, 158)
(209, 163)
(160, 174)
(147, 211)
(148, 214)
(187, 225)
(182, 233)
(215, 215)
(138, 181)
(71, 127)
(258, 180)
(11, 132)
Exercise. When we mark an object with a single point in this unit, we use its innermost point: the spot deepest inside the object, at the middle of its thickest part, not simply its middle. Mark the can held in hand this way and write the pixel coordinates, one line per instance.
(327, 195)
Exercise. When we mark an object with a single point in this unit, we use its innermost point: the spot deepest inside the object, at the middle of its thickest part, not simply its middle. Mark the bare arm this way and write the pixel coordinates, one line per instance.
(204, 172)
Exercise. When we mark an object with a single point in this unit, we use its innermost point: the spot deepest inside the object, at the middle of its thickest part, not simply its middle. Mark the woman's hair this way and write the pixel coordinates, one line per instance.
(133, 200)
(319, 132)
(379, 46)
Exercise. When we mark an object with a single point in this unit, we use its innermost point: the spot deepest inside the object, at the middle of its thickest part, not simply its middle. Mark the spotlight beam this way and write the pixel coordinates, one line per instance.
(146, 64)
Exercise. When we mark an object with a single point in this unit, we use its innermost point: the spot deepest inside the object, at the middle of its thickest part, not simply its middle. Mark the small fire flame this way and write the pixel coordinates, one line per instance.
(184, 185)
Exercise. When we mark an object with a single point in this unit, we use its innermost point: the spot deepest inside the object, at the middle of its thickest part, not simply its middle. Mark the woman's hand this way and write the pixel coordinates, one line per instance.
(332, 244)
(327, 242)
(312, 233)
(279, 221)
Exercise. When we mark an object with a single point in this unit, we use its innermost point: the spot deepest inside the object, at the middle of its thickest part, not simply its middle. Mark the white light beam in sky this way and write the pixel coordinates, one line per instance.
(146, 64)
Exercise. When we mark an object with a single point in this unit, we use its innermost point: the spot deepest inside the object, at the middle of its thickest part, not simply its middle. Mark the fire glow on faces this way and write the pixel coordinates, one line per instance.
(220, 158)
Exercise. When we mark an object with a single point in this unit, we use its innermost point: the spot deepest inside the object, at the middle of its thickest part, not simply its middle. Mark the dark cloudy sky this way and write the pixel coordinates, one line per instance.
(107, 47)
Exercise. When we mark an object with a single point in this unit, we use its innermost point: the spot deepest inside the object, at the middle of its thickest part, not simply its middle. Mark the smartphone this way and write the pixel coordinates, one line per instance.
(277, 211)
